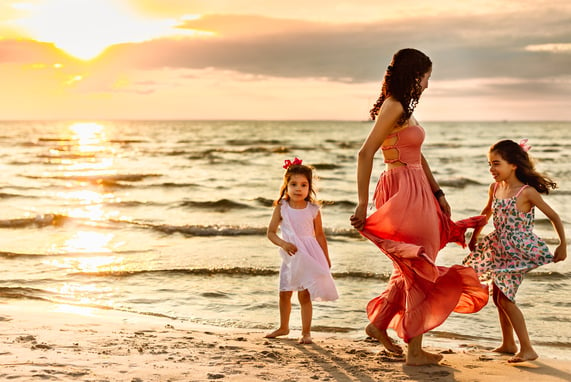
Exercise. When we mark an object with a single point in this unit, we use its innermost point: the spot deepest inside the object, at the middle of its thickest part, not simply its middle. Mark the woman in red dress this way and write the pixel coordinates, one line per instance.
(411, 222)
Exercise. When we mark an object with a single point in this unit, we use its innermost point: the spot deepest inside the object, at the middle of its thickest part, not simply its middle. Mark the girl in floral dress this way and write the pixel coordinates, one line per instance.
(512, 249)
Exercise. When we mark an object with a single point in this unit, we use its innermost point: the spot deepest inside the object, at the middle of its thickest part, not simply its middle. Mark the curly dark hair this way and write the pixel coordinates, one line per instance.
(297, 169)
(514, 154)
(402, 81)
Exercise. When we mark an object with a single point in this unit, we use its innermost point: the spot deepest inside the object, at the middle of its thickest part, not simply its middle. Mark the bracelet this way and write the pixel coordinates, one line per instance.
(438, 193)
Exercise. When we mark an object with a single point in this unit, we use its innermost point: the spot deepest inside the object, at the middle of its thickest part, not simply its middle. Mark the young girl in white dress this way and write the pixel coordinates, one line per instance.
(303, 247)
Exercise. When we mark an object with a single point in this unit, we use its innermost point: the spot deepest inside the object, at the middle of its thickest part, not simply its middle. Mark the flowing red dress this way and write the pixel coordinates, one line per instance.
(410, 228)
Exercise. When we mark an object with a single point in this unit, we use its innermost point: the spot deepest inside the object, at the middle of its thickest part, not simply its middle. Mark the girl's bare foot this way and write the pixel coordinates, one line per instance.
(423, 358)
(506, 349)
(530, 355)
(277, 333)
(382, 337)
(305, 339)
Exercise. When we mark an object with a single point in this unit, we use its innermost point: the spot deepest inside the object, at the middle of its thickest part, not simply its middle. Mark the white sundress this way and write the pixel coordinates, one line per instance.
(308, 267)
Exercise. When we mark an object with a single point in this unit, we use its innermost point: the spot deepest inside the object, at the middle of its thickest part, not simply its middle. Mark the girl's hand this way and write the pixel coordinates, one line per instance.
(560, 253)
(359, 217)
(472, 243)
(290, 248)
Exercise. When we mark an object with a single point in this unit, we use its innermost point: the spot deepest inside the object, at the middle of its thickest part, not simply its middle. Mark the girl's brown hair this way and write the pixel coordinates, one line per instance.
(514, 154)
(402, 81)
(297, 169)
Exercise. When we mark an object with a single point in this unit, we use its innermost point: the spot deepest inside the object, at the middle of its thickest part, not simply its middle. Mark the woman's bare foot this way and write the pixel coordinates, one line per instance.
(423, 358)
(277, 333)
(506, 349)
(530, 355)
(382, 337)
(305, 339)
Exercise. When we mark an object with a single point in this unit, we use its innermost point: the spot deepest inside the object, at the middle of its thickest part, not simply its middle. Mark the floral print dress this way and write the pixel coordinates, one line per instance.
(511, 250)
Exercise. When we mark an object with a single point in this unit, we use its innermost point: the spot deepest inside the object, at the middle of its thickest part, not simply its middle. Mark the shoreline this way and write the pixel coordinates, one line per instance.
(42, 341)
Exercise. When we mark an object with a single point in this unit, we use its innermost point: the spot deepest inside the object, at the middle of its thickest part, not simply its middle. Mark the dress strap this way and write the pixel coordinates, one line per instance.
(495, 188)
(520, 190)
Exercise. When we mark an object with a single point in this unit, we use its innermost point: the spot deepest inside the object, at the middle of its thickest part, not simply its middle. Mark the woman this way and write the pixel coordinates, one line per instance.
(412, 219)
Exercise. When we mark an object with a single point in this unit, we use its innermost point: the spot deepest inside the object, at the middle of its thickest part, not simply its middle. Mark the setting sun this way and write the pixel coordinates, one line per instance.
(85, 28)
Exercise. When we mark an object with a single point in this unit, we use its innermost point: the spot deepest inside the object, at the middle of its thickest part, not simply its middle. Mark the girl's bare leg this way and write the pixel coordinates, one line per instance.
(416, 356)
(285, 311)
(526, 351)
(306, 308)
(508, 345)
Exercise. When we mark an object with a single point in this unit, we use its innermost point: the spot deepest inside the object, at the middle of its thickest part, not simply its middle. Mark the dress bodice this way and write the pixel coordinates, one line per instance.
(407, 145)
(299, 221)
(508, 219)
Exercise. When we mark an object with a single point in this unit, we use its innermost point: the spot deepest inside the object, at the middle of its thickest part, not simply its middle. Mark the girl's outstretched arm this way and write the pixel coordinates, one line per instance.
(272, 233)
(487, 211)
(535, 199)
(320, 236)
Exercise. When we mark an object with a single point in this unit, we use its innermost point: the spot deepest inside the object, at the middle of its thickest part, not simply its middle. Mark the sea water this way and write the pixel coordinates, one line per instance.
(168, 218)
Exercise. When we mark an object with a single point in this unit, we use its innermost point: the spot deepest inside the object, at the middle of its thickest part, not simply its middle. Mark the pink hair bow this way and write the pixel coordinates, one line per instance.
(288, 163)
(524, 146)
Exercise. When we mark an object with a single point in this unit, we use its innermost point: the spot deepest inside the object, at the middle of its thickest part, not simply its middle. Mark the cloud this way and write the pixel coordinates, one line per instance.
(487, 62)
(461, 47)
(28, 51)
(523, 45)
(554, 48)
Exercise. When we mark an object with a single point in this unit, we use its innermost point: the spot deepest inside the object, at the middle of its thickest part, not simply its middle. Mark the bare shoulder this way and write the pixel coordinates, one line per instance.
(277, 213)
(491, 190)
(531, 197)
(315, 208)
(391, 111)
(392, 105)
(530, 192)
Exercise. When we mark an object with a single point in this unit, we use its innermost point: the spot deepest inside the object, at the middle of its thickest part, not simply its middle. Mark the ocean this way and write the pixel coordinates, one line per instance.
(168, 218)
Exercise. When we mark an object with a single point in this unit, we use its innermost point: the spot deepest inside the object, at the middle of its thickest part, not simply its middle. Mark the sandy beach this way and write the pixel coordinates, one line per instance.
(63, 343)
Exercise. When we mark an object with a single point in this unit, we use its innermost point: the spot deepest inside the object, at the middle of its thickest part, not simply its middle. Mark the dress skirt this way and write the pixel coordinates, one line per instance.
(410, 228)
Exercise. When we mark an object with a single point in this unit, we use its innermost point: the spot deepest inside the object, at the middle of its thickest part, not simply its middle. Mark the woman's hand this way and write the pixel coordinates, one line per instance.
(444, 206)
(359, 217)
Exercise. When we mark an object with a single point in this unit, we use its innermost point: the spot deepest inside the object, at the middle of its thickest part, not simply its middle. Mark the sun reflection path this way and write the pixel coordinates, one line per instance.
(89, 156)
(85, 245)
(97, 248)
(90, 136)
(89, 201)
(89, 242)
(88, 253)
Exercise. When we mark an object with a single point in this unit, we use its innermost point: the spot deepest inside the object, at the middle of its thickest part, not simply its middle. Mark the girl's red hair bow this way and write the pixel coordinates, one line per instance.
(288, 163)
(523, 144)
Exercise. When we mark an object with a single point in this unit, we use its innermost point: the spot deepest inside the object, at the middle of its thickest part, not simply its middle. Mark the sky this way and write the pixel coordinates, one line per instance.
(280, 60)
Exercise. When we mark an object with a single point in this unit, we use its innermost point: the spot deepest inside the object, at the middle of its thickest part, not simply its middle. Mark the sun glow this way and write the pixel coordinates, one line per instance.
(85, 28)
